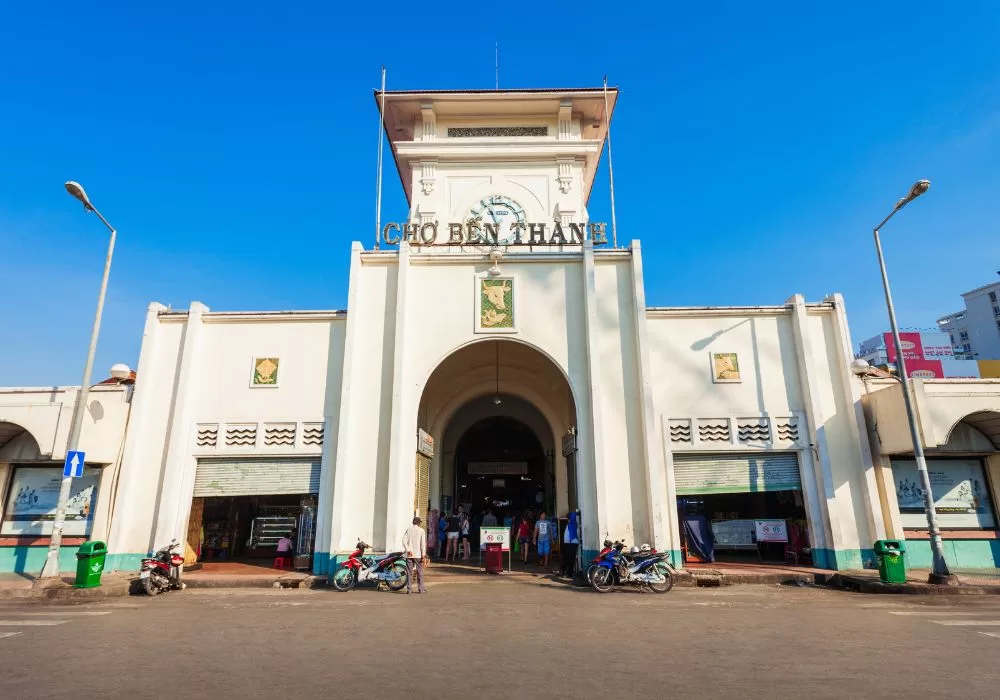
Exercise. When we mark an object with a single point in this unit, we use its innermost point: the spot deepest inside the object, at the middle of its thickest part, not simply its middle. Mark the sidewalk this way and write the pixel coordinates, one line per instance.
(970, 582)
(27, 586)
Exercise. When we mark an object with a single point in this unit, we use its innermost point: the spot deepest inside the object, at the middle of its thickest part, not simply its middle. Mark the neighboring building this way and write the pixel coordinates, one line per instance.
(498, 350)
(927, 355)
(34, 428)
(975, 331)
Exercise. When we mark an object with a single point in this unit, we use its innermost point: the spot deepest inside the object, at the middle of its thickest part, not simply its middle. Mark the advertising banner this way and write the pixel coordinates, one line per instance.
(912, 346)
(936, 345)
(959, 490)
(960, 369)
(989, 369)
(34, 494)
(924, 369)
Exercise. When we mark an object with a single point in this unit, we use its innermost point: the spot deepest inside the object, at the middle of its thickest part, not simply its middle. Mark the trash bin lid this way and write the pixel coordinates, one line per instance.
(890, 546)
(92, 548)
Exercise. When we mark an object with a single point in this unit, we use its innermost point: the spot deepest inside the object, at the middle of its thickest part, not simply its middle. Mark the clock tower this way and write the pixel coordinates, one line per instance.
(498, 158)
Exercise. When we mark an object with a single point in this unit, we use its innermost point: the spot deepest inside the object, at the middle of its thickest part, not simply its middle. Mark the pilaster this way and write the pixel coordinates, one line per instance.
(592, 467)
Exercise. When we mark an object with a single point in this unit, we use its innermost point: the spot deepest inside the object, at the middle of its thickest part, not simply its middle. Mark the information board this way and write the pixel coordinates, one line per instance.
(494, 535)
(771, 530)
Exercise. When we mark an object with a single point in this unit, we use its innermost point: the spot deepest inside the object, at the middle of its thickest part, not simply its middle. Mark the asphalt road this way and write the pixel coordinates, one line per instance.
(506, 638)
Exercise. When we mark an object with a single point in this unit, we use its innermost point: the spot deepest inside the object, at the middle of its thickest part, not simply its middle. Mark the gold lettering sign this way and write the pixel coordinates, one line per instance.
(265, 371)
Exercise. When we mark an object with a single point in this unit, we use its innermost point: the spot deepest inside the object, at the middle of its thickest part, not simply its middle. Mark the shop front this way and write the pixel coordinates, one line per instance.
(741, 507)
(242, 508)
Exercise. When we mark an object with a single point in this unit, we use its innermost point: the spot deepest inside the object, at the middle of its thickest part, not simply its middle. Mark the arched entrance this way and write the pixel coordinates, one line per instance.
(17, 444)
(498, 410)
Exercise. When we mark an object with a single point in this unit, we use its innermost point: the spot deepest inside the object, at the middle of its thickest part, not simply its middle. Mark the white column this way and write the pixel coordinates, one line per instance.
(178, 464)
(403, 423)
(656, 489)
(824, 525)
(130, 496)
(591, 462)
(337, 514)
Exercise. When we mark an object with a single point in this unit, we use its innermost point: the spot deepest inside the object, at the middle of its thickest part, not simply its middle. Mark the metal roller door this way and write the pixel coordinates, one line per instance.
(256, 477)
(718, 473)
(421, 495)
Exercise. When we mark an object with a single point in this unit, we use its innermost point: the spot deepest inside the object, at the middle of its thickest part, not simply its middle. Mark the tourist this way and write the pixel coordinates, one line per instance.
(415, 546)
(442, 534)
(454, 530)
(524, 538)
(465, 540)
(489, 520)
(571, 541)
(543, 539)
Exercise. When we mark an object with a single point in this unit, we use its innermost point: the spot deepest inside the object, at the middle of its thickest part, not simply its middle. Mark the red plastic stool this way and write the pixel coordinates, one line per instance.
(281, 562)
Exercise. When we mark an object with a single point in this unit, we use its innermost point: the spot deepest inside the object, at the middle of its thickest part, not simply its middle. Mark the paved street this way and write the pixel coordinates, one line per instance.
(504, 638)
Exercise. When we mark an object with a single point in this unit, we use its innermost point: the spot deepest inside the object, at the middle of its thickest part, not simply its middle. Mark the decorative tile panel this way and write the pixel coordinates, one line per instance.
(208, 435)
(279, 435)
(714, 430)
(241, 435)
(753, 430)
(787, 429)
(312, 434)
(680, 430)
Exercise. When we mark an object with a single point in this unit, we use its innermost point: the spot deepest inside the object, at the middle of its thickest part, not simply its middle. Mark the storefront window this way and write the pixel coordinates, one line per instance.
(961, 494)
(34, 494)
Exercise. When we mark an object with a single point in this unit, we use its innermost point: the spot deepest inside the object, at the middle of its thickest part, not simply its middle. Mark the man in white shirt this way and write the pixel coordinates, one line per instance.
(415, 546)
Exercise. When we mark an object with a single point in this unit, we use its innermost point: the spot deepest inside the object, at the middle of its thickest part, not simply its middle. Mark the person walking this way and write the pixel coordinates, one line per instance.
(489, 520)
(524, 537)
(454, 530)
(571, 542)
(415, 546)
(442, 530)
(543, 539)
(465, 537)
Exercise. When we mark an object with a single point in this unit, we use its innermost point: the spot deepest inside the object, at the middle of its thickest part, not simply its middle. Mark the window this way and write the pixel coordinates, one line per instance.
(964, 335)
(993, 297)
(961, 494)
(32, 499)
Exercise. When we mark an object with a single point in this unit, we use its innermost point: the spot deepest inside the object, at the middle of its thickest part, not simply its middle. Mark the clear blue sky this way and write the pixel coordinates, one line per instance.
(233, 146)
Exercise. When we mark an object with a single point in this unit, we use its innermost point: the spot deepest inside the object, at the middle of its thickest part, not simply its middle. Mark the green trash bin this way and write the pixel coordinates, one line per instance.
(891, 558)
(90, 564)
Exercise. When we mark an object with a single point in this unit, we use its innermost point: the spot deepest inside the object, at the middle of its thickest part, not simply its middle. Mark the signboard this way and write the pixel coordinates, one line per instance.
(425, 443)
(913, 348)
(73, 466)
(568, 444)
(960, 493)
(34, 494)
(771, 530)
(924, 369)
(733, 534)
(494, 535)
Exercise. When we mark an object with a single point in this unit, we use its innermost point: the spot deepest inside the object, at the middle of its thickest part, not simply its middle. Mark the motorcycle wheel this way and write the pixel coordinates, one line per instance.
(344, 579)
(668, 580)
(400, 568)
(602, 580)
(151, 584)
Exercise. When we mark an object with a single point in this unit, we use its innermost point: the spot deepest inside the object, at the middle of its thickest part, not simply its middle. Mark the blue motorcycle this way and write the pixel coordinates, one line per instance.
(615, 568)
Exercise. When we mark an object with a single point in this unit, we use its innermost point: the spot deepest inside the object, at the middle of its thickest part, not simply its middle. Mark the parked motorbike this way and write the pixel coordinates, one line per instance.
(608, 544)
(162, 571)
(389, 570)
(650, 570)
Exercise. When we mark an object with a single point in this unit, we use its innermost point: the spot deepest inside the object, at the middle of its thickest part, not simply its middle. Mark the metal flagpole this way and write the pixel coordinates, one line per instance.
(378, 178)
(498, 64)
(611, 170)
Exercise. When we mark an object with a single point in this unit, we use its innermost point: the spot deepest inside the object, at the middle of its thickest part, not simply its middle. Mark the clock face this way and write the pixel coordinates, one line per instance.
(500, 211)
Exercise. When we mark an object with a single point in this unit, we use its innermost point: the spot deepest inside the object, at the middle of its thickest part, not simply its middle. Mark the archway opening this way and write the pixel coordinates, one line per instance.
(501, 467)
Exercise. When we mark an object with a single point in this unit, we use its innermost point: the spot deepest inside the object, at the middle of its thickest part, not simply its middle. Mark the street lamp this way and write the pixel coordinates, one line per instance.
(940, 572)
(51, 566)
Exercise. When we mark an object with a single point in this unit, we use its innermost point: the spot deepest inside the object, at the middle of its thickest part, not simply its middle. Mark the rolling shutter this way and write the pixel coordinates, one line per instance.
(700, 474)
(256, 477)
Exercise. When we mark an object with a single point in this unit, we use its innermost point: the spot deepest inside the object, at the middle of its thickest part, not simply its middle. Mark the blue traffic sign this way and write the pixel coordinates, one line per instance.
(73, 465)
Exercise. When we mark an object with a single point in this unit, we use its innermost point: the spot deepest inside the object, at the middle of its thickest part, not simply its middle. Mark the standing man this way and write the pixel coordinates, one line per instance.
(543, 539)
(415, 546)
(571, 541)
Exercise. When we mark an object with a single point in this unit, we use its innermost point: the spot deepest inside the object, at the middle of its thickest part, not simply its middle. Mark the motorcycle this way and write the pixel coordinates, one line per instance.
(615, 568)
(389, 570)
(162, 571)
(608, 544)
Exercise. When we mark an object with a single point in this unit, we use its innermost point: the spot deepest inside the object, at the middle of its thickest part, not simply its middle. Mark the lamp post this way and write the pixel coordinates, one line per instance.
(51, 566)
(940, 572)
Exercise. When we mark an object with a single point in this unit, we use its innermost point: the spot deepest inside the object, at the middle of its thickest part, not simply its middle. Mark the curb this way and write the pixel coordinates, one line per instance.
(861, 584)
(240, 581)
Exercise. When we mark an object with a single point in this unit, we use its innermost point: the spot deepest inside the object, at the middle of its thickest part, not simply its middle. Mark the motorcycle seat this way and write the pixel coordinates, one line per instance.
(394, 554)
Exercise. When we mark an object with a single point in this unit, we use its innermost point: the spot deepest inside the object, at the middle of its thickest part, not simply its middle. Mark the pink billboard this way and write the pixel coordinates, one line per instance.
(923, 369)
(913, 348)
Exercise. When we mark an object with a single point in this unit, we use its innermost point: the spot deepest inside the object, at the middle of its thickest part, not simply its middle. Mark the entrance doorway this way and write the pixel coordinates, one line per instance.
(741, 508)
(501, 466)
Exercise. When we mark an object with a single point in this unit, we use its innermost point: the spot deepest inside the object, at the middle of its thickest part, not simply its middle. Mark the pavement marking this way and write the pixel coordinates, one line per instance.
(931, 613)
(11, 634)
(991, 634)
(961, 623)
(42, 623)
(65, 613)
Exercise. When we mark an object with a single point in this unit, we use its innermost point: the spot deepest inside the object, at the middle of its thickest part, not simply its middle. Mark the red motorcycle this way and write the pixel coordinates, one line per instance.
(389, 570)
(162, 571)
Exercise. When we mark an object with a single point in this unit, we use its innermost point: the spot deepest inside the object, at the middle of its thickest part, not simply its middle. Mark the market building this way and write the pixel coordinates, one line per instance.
(498, 349)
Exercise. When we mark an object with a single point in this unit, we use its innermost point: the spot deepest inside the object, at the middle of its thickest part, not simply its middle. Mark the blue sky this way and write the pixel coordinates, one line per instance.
(233, 147)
